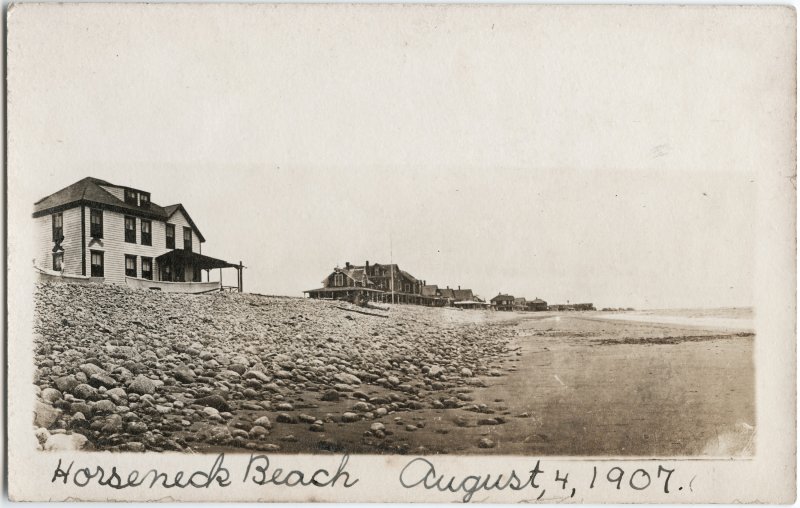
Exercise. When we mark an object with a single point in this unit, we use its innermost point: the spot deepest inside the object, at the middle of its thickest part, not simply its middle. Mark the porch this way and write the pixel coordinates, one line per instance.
(187, 267)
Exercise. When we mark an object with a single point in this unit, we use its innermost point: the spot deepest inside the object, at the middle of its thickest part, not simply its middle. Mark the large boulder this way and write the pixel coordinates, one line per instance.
(66, 443)
(45, 415)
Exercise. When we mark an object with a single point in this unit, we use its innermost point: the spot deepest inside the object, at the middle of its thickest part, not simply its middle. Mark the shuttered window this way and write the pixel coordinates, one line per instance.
(97, 263)
(187, 239)
(58, 226)
(130, 265)
(170, 236)
(147, 238)
(147, 268)
(130, 229)
(96, 223)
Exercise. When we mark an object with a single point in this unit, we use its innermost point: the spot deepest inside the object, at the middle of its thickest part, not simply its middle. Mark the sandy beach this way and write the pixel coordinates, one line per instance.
(249, 372)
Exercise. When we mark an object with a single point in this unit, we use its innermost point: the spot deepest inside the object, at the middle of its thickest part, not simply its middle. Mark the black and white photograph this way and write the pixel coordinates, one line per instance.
(419, 238)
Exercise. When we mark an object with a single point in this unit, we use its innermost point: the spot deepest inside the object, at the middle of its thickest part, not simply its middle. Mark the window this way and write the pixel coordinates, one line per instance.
(96, 222)
(58, 261)
(166, 273)
(187, 239)
(144, 199)
(408, 288)
(146, 234)
(58, 227)
(170, 236)
(338, 280)
(97, 263)
(130, 229)
(147, 268)
(130, 197)
(130, 265)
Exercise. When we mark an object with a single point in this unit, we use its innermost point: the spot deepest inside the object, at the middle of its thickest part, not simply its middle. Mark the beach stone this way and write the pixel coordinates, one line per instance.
(485, 442)
(50, 395)
(102, 407)
(263, 421)
(219, 434)
(285, 418)
(42, 435)
(84, 391)
(45, 415)
(90, 369)
(348, 379)
(66, 384)
(136, 427)
(113, 424)
(102, 379)
(77, 421)
(350, 417)
(436, 371)
(258, 432)
(142, 385)
(377, 426)
(215, 401)
(66, 443)
(330, 396)
(184, 375)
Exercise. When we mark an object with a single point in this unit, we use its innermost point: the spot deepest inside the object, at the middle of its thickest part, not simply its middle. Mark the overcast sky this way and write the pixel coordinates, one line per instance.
(522, 157)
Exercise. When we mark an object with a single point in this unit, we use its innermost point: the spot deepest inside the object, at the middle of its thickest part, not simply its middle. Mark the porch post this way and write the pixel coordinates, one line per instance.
(241, 277)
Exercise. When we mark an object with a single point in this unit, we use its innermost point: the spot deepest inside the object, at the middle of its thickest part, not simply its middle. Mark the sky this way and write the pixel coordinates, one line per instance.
(491, 153)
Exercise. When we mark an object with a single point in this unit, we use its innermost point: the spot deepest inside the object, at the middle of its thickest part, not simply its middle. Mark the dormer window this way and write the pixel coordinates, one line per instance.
(144, 199)
(338, 280)
(130, 197)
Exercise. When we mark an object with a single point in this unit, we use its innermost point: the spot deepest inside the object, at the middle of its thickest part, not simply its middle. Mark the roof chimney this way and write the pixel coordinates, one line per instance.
(459, 288)
(347, 265)
(366, 266)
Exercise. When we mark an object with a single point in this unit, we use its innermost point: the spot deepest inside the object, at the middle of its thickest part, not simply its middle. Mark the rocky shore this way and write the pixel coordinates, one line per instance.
(125, 370)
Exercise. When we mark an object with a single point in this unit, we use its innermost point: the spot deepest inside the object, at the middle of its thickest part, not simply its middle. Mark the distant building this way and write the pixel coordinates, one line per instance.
(503, 302)
(584, 306)
(376, 282)
(520, 304)
(537, 305)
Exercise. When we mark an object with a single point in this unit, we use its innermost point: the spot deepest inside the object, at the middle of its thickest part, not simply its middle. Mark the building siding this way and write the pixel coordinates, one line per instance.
(115, 248)
(180, 222)
(71, 242)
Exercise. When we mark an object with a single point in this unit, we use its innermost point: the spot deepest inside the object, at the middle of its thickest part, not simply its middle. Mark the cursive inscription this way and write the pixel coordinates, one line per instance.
(421, 472)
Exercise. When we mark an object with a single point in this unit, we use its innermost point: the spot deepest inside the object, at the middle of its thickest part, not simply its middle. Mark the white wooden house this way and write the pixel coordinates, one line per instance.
(104, 232)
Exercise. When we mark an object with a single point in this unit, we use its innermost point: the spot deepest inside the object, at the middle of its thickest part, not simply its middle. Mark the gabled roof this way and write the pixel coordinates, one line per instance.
(355, 273)
(502, 297)
(89, 191)
(521, 299)
(463, 295)
(408, 276)
(447, 293)
(430, 290)
(538, 300)
(170, 211)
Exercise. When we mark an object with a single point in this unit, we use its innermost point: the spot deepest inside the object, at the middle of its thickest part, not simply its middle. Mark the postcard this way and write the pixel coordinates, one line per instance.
(401, 253)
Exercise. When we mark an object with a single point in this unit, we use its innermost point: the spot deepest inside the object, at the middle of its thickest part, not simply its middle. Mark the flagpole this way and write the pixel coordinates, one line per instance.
(391, 265)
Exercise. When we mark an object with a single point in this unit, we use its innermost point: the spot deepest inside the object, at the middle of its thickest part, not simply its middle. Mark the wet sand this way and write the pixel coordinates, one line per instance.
(578, 385)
